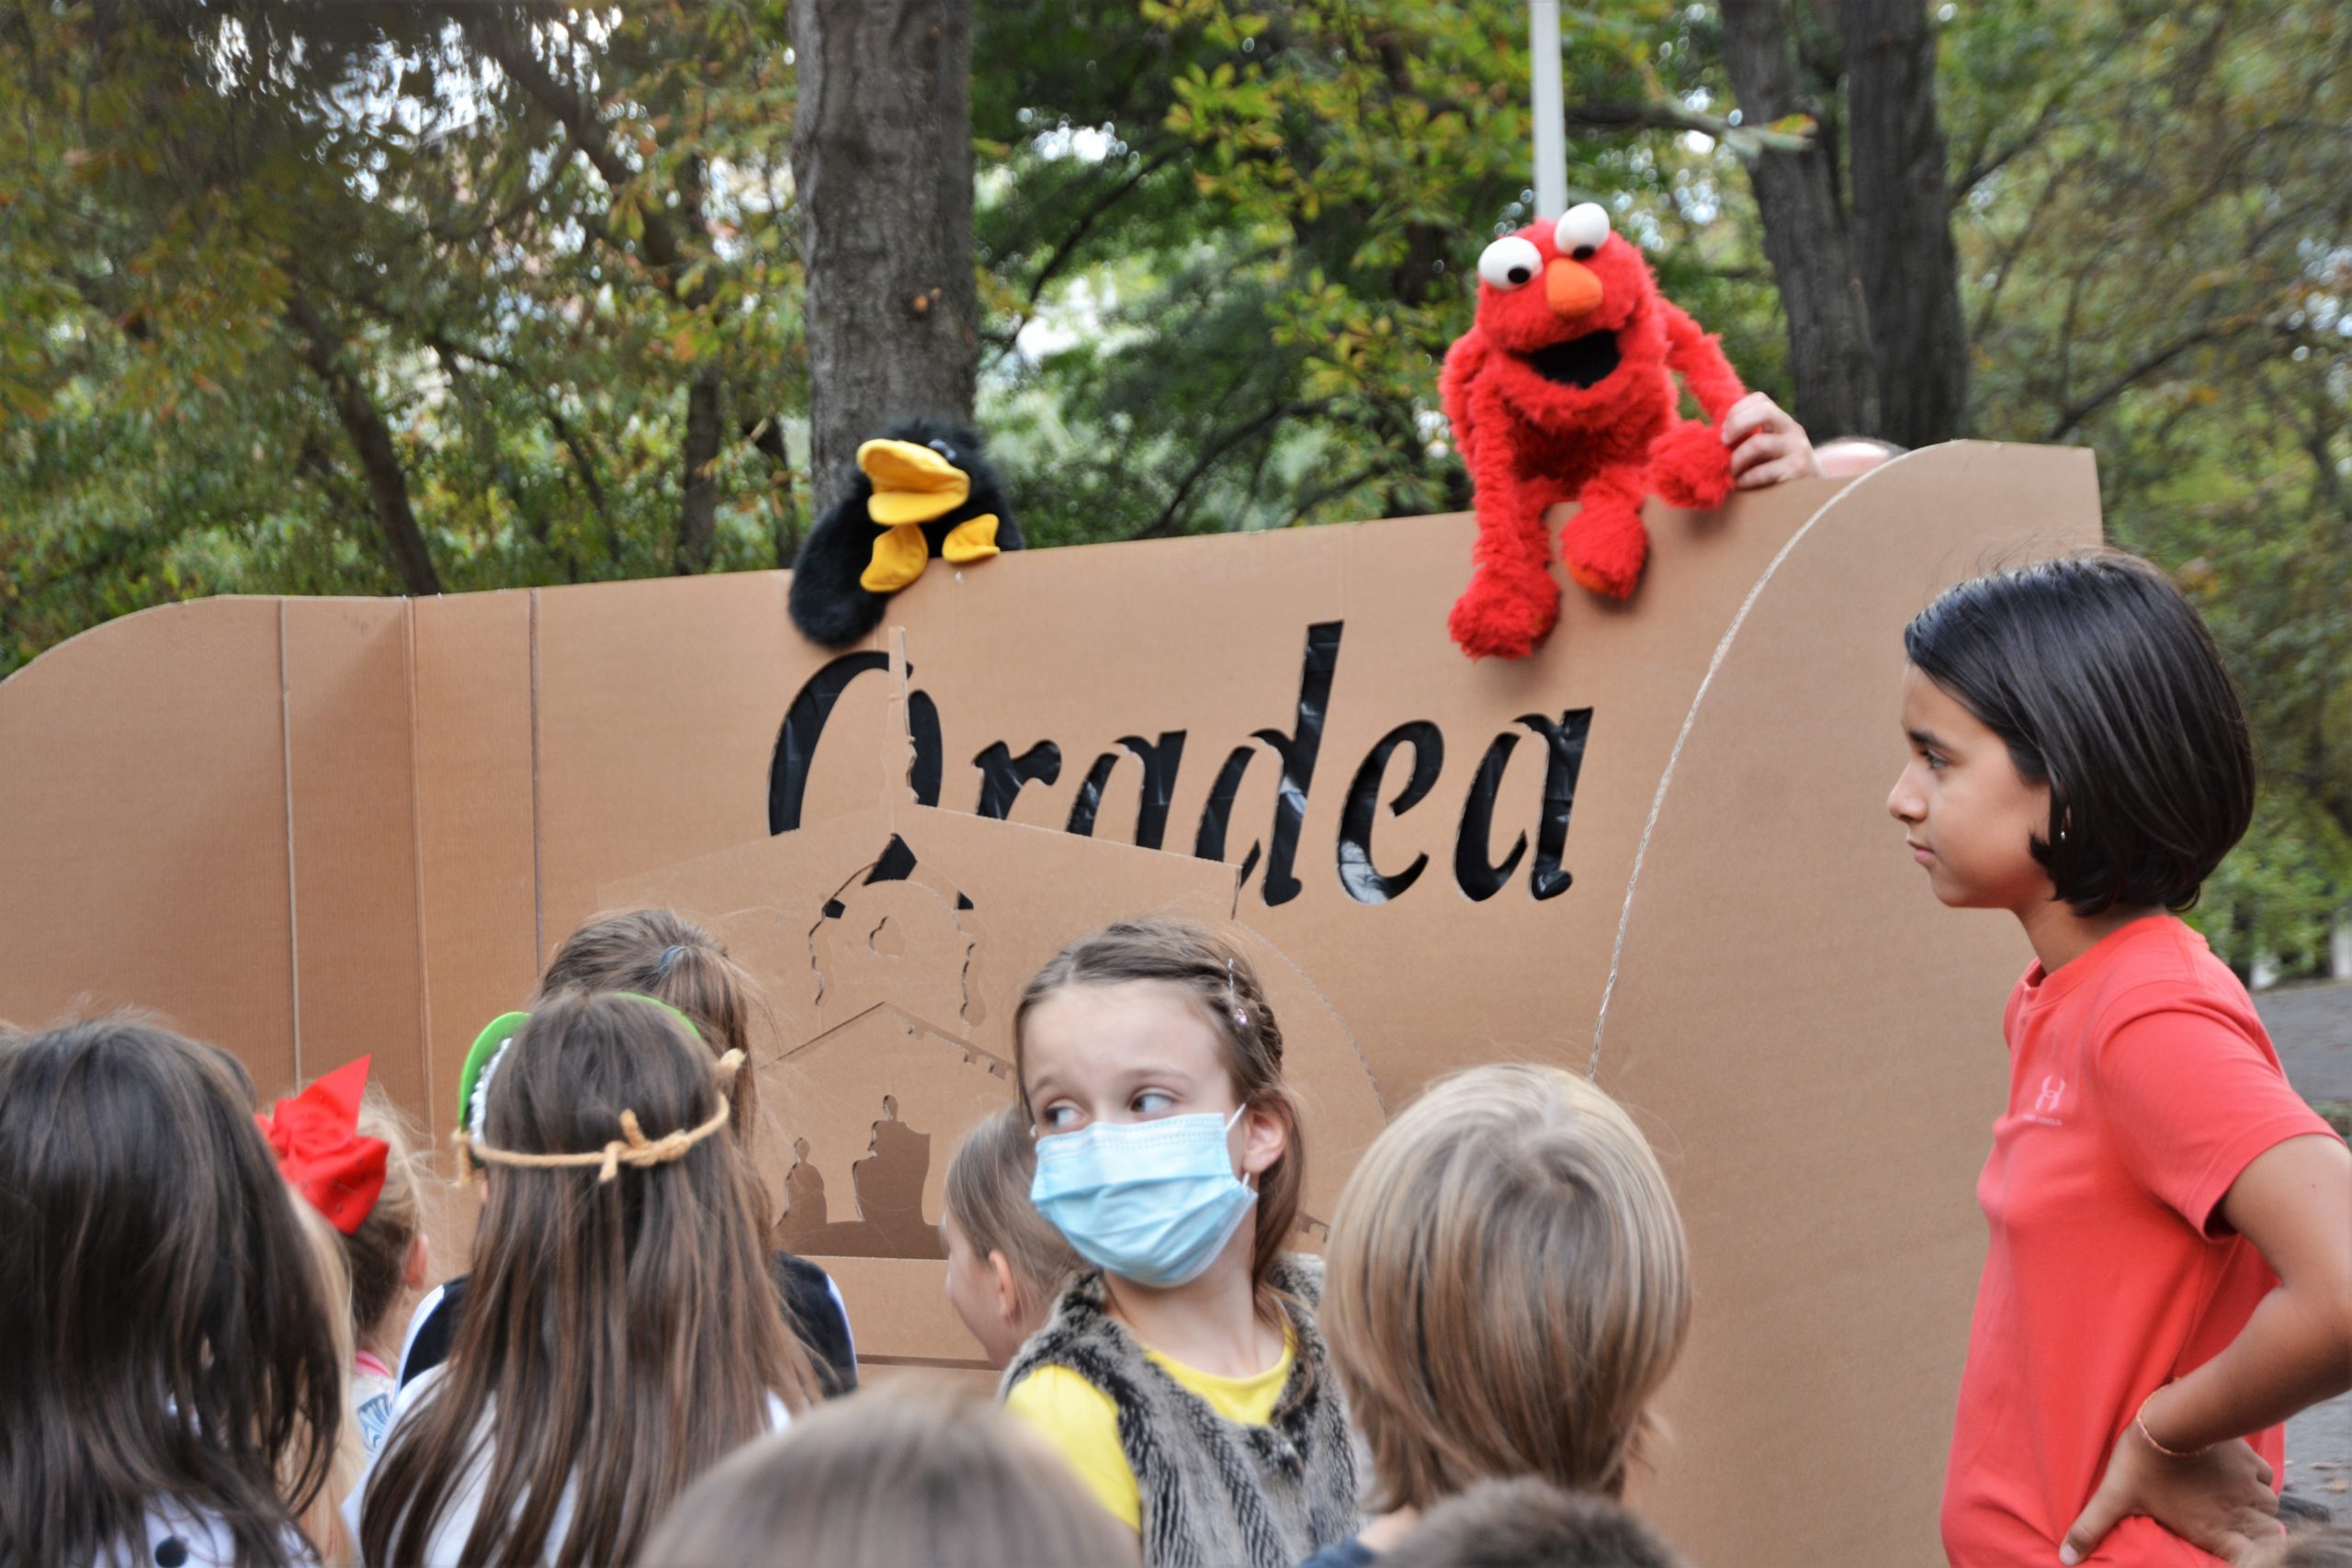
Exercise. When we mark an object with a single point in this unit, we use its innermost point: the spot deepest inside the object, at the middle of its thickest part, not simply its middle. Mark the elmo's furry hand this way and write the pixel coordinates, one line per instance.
(1560, 391)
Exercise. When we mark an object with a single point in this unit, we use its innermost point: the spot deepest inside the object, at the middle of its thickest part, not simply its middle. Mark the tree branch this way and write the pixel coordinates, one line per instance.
(2115, 386)
(371, 440)
(1663, 114)
(1211, 454)
(1067, 250)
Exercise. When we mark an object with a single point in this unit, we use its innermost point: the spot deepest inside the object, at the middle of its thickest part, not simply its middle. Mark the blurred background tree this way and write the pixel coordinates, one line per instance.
(336, 296)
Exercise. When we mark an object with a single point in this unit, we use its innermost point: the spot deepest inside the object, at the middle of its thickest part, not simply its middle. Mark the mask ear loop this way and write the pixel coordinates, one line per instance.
(1249, 1178)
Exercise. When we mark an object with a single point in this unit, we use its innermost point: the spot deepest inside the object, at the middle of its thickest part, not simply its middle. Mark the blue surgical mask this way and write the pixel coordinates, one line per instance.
(1150, 1201)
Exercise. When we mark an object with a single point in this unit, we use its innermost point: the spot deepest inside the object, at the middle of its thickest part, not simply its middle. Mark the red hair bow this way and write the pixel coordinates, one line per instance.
(316, 1135)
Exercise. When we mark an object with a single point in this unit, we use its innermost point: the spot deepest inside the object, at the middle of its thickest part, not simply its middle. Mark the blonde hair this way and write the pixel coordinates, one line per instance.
(1221, 985)
(988, 1197)
(321, 1521)
(1508, 1286)
(377, 1252)
(914, 1470)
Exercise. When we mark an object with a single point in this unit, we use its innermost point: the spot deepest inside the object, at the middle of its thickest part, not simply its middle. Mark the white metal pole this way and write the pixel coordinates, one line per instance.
(1551, 129)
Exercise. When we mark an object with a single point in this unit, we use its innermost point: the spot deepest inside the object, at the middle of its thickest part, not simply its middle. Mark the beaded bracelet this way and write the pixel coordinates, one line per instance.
(2140, 1421)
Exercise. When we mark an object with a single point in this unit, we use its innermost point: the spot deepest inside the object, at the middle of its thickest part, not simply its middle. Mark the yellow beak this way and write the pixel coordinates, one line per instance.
(911, 484)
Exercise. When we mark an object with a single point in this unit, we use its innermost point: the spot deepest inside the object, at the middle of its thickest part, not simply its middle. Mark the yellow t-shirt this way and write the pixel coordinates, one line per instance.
(1082, 1425)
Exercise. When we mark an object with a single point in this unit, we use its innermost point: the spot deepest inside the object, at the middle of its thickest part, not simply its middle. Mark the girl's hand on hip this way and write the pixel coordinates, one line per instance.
(2218, 1500)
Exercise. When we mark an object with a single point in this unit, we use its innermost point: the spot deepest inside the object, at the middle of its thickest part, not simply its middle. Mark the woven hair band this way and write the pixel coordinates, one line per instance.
(632, 1147)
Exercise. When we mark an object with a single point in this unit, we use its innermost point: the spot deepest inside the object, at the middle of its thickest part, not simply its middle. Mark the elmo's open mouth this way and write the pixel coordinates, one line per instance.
(1579, 362)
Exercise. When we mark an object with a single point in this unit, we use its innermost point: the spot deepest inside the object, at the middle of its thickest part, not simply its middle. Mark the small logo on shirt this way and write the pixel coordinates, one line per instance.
(2046, 1103)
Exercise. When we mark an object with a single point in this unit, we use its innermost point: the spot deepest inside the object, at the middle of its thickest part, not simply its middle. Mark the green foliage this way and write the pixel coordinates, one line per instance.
(1222, 245)
(177, 176)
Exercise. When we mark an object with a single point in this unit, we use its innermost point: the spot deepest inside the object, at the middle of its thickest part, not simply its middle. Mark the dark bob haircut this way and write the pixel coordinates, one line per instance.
(2105, 685)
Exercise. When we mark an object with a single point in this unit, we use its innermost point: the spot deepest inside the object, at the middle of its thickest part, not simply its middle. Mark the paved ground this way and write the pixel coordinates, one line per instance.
(2311, 1026)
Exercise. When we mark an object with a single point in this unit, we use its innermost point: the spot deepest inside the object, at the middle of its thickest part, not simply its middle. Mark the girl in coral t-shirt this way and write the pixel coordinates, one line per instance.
(2170, 1269)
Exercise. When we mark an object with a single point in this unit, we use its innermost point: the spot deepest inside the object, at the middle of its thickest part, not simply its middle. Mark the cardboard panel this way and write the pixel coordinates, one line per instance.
(657, 720)
(893, 944)
(1224, 651)
(477, 830)
(1796, 1013)
(352, 828)
(1442, 848)
(144, 828)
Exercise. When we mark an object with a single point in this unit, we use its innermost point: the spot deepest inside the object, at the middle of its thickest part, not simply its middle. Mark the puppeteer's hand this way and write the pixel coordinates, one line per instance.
(1767, 445)
(2220, 1499)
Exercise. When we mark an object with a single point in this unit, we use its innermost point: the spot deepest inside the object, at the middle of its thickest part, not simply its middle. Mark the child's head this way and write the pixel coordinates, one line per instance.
(387, 1255)
(2073, 737)
(908, 1471)
(1006, 1263)
(659, 952)
(348, 1154)
(621, 1317)
(158, 1287)
(1508, 1285)
(1148, 1019)
(1531, 1524)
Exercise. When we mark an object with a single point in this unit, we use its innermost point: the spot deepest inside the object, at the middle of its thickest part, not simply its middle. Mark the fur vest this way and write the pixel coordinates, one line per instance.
(1216, 1494)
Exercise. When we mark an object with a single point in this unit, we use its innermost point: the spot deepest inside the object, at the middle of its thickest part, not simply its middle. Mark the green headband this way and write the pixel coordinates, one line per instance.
(481, 1059)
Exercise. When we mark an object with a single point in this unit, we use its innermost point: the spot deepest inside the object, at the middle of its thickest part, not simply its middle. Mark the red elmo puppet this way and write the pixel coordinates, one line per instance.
(1559, 392)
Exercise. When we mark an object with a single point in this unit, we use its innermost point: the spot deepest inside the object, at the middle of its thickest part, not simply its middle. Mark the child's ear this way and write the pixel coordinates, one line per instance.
(1265, 1138)
(1008, 1292)
(416, 1262)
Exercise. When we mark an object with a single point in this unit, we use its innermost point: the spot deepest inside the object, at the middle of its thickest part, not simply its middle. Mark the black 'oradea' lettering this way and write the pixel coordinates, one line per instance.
(803, 722)
(1160, 760)
(1364, 881)
(1004, 774)
(1297, 751)
(1472, 872)
(1563, 761)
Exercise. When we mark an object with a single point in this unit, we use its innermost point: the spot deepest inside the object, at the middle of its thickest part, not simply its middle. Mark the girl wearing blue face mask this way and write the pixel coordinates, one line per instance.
(1182, 1375)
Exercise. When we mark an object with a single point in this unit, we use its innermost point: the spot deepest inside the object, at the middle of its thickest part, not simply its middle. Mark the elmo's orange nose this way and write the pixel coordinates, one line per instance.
(1570, 288)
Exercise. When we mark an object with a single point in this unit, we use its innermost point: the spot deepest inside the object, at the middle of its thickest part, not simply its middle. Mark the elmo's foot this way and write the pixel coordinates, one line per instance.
(1505, 617)
(1604, 545)
(1690, 467)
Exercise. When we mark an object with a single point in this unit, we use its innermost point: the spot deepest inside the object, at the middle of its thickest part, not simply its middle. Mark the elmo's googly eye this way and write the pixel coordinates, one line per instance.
(1581, 229)
(1509, 262)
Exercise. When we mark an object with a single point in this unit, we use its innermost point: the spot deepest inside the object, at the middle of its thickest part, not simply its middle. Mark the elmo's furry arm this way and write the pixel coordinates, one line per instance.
(1699, 355)
(1689, 466)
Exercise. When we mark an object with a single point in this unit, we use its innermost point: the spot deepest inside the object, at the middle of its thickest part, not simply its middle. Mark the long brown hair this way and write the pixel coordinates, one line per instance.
(659, 952)
(625, 1329)
(167, 1331)
(911, 1471)
(1508, 1286)
(1219, 982)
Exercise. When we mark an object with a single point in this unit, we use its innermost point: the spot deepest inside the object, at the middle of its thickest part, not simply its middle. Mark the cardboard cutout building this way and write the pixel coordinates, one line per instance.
(310, 829)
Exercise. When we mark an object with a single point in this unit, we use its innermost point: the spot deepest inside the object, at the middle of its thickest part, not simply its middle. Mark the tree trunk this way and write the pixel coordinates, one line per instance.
(882, 167)
(371, 439)
(699, 515)
(1902, 217)
(1804, 232)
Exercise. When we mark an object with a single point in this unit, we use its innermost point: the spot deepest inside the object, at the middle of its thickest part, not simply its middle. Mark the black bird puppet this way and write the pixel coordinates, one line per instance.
(922, 488)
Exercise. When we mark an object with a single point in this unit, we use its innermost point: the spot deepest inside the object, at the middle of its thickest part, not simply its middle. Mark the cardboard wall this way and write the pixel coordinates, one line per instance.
(1442, 854)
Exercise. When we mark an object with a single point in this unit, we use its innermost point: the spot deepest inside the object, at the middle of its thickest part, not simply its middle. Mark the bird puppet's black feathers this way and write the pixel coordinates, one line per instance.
(831, 602)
